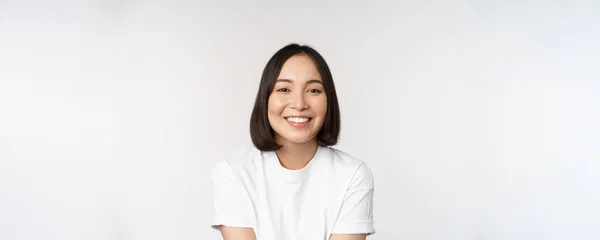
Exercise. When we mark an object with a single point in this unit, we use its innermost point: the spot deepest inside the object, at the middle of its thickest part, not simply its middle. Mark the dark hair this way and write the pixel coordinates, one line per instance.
(260, 129)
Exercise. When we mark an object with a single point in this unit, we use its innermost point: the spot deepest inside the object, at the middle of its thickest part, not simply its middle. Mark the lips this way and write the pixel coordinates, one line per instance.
(298, 119)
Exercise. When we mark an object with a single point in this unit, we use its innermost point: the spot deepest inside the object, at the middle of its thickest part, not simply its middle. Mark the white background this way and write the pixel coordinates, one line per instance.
(480, 120)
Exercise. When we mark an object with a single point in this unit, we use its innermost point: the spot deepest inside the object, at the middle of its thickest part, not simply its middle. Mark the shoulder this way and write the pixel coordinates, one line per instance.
(361, 172)
(236, 161)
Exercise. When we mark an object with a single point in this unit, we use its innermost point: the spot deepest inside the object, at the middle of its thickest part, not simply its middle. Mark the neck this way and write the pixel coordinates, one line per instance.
(295, 156)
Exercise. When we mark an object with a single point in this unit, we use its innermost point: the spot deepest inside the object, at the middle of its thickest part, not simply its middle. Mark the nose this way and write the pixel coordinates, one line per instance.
(298, 102)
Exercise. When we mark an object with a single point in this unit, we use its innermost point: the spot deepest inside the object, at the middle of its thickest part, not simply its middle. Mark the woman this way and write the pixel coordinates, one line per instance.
(292, 184)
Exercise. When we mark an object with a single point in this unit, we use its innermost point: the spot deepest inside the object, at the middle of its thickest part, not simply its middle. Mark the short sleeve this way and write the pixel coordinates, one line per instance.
(356, 214)
(232, 205)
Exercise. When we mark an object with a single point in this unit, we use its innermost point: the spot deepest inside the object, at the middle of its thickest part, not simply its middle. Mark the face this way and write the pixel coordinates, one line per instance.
(298, 104)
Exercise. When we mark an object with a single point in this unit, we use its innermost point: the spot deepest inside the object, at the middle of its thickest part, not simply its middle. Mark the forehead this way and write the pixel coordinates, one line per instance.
(299, 67)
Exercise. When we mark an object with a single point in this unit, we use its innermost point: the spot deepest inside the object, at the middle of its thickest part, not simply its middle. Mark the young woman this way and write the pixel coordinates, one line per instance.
(292, 184)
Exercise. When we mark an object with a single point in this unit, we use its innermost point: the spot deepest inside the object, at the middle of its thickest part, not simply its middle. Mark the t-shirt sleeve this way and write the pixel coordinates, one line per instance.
(356, 214)
(231, 202)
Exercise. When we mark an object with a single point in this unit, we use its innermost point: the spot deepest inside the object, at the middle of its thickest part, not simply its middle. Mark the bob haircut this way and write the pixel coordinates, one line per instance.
(260, 128)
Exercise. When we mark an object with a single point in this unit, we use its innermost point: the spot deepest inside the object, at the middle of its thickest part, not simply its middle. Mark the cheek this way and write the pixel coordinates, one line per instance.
(275, 105)
(321, 107)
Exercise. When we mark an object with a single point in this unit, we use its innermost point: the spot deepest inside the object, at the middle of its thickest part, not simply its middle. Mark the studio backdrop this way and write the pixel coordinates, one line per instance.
(479, 119)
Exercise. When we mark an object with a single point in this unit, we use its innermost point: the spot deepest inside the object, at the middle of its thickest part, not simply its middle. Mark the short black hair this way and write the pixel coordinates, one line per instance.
(260, 129)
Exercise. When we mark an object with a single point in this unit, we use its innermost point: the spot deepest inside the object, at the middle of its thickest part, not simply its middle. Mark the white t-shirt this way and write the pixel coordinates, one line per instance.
(332, 194)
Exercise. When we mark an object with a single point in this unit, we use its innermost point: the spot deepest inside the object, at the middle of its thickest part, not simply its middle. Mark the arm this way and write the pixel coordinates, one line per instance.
(234, 214)
(355, 220)
(238, 233)
(348, 237)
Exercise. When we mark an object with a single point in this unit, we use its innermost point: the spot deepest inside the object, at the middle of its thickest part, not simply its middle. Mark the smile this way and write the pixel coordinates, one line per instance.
(298, 119)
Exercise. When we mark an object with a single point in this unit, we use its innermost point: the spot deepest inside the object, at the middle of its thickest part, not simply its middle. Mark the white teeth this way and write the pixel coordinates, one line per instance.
(297, 119)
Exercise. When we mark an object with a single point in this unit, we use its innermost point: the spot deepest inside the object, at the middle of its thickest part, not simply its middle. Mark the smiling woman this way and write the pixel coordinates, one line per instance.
(292, 184)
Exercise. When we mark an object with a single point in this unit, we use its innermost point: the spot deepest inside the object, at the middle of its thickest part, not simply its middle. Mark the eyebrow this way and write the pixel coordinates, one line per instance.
(307, 82)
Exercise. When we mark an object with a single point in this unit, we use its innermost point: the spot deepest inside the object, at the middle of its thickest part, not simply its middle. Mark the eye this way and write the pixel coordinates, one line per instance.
(314, 91)
(283, 90)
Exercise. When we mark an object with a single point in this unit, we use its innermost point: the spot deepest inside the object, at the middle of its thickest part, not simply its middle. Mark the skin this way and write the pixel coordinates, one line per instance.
(298, 91)
(237, 233)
